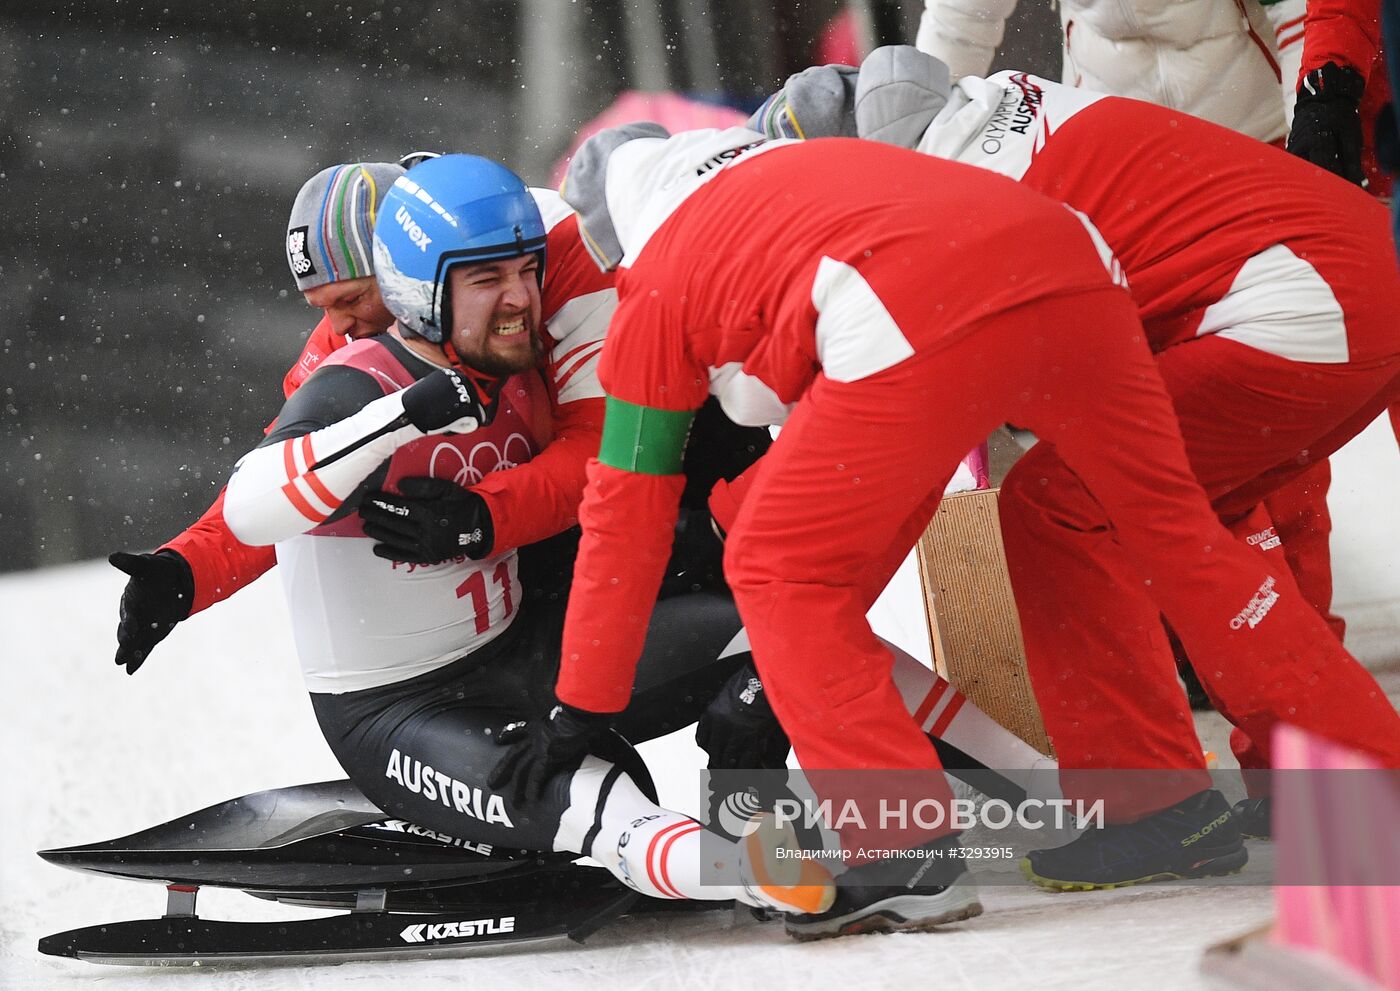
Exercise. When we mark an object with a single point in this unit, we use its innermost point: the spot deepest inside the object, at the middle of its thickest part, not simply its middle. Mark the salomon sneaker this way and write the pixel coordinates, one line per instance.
(896, 894)
(1197, 837)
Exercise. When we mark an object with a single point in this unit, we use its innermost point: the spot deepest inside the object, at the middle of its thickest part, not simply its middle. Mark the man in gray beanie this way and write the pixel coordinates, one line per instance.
(329, 239)
(328, 250)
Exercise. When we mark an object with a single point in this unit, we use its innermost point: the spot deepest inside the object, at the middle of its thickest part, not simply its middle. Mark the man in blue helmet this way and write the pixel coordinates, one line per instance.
(413, 665)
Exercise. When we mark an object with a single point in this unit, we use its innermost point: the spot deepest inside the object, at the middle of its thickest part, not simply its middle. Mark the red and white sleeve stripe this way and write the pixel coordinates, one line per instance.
(293, 486)
(578, 328)
(304, 490)
(1288, 19)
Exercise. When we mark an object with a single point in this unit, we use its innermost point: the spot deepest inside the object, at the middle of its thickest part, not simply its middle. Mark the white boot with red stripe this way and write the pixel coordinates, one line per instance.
(665, 854)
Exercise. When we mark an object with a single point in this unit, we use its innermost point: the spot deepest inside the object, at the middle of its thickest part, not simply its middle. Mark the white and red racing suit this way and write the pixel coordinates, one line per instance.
(361, 621)
(576, 303)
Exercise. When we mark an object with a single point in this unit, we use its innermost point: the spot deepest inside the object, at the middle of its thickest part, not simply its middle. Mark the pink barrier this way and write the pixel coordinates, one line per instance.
(670, 110)
(978, 462)
(1323, 823)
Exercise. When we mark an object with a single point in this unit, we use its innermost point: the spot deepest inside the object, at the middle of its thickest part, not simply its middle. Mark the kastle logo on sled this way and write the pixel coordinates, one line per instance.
(410, 829)
(426, 932)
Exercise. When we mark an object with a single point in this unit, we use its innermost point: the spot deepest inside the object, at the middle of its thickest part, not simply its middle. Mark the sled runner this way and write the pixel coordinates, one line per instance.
(405, 891)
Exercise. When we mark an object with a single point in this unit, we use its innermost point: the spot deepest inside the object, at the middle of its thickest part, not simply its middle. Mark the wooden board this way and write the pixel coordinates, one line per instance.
(973, 626)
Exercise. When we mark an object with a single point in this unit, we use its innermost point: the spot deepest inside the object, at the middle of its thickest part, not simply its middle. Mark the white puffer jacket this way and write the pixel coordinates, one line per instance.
(1234, 62)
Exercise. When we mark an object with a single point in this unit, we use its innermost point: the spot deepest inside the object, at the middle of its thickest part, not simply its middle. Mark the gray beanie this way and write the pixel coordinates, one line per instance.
(814, 103)
(899, 93)
(585, 188)
(330, 234)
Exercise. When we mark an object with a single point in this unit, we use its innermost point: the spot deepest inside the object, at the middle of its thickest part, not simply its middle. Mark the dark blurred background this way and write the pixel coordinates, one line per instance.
(149, 155)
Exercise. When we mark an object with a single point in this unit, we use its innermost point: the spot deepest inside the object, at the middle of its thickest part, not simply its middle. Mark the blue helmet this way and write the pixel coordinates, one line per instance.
(446, 211)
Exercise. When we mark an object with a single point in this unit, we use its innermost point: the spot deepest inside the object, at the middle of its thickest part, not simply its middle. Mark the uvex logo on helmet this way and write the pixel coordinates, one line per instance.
(411, 228)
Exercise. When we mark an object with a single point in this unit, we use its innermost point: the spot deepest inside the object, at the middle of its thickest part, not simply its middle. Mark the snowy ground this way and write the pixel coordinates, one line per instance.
(219, 711)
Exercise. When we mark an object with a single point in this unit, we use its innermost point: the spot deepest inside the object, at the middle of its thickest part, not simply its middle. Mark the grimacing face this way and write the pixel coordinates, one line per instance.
(353, 306)
(496, 314)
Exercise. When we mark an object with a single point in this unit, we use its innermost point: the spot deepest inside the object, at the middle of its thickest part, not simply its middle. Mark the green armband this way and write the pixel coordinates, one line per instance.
(644, 440)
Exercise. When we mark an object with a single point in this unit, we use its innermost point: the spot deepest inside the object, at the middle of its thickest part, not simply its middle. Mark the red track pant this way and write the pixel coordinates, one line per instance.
(1301, 517)
(858, 470)
(1298, 511)
(1098, 658)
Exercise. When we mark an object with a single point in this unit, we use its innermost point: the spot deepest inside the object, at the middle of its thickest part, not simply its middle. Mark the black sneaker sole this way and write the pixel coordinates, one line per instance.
(900, 913)
(1230, 863)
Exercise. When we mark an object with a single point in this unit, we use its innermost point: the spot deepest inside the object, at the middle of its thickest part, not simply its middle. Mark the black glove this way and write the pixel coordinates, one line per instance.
(1327, 121)
(697, 556)
(157, 597)
(431, 520)
(1387, 138)
(442, 398)
(739, 729)
(541, 748)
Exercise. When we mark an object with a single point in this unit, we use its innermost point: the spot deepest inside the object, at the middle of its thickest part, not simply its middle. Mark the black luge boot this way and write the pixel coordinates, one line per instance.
(1255, 816)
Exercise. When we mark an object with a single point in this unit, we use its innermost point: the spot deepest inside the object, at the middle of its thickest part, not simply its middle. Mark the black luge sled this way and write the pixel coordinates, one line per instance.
(406, 891)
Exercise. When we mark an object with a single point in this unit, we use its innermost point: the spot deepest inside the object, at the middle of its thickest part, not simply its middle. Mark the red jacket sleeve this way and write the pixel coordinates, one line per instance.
(628, 517)
(1347, 32)
(221, 565)
(322, 342)
(629, 521)
(541, 497)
